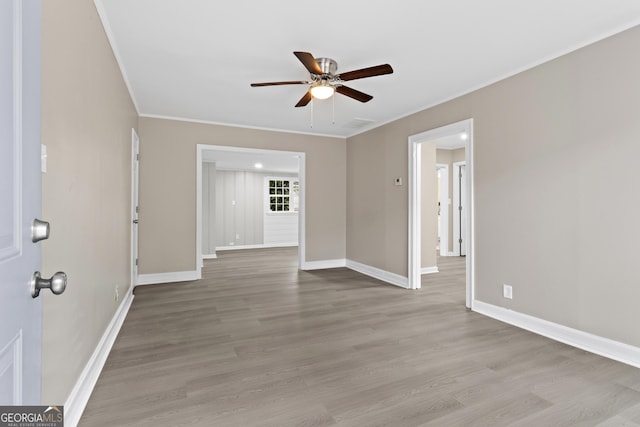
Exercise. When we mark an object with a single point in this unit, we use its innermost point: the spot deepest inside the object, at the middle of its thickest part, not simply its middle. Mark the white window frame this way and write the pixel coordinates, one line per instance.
(292, 197)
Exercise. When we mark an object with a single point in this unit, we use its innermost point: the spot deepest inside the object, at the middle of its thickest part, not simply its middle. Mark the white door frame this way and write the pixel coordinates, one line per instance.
(135, 164)
(415, 164)
(456, 211)
(301, 214)
(444, 208)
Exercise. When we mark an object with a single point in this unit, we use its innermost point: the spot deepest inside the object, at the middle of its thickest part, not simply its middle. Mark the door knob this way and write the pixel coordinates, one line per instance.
(57, 283)
(135, 221)
(39, 230)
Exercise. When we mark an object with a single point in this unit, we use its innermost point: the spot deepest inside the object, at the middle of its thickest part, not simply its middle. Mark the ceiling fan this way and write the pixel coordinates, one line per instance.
(324, 82)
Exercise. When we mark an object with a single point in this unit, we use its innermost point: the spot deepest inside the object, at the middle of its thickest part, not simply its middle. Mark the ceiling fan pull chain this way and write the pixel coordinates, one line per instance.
(311, 124)
(333, 110)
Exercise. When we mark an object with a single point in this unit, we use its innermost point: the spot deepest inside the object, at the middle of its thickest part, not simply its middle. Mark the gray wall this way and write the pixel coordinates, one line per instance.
(554, 146)
(237, 209)
(209, 234)
(168, 188)
(87, 116)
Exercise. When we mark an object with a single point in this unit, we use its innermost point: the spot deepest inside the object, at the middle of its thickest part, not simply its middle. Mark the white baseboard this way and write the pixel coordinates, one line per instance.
(376, 273)
(430, 270)
(79, 396)
(606, 347)
(209, 256)
(320, 265)
(176, 276)
(260, 246)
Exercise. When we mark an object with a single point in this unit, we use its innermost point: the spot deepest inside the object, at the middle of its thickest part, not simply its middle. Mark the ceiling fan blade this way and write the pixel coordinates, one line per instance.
(304, 100)
(309, 62)
(355, 94)
(279, 83)
(378, 70)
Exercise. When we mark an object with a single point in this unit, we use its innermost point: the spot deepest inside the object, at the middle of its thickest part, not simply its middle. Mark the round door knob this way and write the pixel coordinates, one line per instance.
(57, 283)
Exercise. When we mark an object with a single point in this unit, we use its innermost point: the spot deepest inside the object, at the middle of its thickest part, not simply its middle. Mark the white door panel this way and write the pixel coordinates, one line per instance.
(21, 315)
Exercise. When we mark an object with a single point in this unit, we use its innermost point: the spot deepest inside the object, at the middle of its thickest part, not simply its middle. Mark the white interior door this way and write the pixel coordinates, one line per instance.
(135, 161)
(20, 201)
(463, 211)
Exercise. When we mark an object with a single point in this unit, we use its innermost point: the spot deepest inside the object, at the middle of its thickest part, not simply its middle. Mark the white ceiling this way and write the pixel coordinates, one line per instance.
(452, 142)
(245, 160)
(195, 59)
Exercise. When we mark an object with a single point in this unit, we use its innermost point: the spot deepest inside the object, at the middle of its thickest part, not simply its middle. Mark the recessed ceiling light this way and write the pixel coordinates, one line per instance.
(258, 165)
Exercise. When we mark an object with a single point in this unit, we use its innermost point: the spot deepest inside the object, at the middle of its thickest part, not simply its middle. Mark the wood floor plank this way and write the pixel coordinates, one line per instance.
(258, 343)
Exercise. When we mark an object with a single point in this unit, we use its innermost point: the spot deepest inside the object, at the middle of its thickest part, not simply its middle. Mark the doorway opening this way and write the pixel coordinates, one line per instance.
(235, 207)
(462, 130)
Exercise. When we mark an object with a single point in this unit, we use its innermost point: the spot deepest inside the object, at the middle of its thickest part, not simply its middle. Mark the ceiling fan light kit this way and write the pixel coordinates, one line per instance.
(324, 82)
(322, 90)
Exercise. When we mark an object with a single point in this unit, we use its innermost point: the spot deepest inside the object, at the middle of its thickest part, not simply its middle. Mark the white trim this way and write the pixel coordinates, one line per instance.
(324, 264)
(605, 347)
(261, 246)
(210, 256)
(135, 183)
(376, 273)
(429, 270)
(199, 258)
(456, 204)
(176, 276)
(79, 396)
(302, 196)
(231, 125)
(302, 209)
(471, 241)
(444, 208)
(414, 229)
(414, 256)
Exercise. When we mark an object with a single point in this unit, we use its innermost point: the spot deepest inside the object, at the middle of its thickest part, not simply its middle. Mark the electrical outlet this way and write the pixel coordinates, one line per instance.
(117, 294)
(507, 291)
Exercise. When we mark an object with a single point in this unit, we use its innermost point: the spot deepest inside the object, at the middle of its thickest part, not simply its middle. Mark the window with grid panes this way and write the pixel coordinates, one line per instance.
(282, 194)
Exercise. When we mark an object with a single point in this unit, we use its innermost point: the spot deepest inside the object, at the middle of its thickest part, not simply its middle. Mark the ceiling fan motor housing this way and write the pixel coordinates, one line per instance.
(327, 65)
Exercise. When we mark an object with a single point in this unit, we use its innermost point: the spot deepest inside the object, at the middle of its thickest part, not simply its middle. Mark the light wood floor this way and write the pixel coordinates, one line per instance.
(258, 343)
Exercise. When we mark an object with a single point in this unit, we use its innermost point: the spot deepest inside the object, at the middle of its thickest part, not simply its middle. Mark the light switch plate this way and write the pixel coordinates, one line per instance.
(507, 291)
